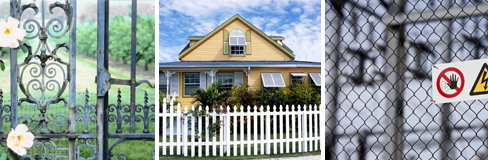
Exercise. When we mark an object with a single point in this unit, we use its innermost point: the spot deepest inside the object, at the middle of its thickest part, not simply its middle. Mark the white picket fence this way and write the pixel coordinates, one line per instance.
(287, 140)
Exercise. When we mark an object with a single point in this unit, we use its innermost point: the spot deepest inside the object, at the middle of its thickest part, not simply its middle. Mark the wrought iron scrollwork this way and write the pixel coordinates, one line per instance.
(86, 113)
(45, 147)
(41, 67)
(119, 116)
(3, 108)
(146, 116)
(122, 156)
(87, 143)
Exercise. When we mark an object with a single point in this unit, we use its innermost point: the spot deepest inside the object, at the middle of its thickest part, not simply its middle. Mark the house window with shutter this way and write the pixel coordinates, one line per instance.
(163, 84)
(297, 78)
(227, 80)
(191, 83)
(237, 42)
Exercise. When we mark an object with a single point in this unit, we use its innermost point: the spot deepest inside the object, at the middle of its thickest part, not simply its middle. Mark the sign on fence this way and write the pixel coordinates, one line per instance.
(460, 81)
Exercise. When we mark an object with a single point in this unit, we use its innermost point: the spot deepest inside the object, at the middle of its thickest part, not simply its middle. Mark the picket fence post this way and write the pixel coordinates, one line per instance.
(207, 138)
(178, 129)
(280, 126)
(164, 127)
(255, 130)
(287, 129)
(192, 126)
(248, 130)
(185, 134)
(227, 132)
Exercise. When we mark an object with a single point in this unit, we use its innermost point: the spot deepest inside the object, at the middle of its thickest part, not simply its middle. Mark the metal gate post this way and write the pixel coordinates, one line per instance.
(15, 13)
(331, 93)
(72, 82)
(133, 68)
(103, 84)
(395, 53)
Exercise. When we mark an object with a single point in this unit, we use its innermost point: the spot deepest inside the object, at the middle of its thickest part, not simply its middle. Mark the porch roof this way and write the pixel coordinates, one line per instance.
(217, 64)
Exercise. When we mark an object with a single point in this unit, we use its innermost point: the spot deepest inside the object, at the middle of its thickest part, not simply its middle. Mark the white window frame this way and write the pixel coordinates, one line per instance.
(237, 46)
(224, 83)
(197, 83)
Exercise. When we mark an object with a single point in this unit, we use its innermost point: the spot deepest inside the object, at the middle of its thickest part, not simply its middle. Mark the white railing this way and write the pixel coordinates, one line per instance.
(177, 128)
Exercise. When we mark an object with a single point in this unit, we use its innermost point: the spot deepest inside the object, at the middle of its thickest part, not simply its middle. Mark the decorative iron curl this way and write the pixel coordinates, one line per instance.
(119, 156)
(30, 26)
(88, 143)
(44, 121)
(145, 117)
(44, 148)
(3, 108)
(84, 112)
(119, 109)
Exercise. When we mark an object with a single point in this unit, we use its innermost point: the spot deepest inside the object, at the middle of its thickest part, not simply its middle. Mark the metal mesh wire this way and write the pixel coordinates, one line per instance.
(379, 56)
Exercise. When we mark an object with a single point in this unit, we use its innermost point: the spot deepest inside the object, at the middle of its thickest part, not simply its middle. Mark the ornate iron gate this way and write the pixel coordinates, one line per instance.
(49, 74)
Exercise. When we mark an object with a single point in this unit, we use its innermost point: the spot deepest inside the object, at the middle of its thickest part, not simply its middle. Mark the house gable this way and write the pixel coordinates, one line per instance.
(259, 46)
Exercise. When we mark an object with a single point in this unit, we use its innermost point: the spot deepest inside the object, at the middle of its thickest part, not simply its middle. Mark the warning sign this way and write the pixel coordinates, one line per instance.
(449, 81)
(480, 86)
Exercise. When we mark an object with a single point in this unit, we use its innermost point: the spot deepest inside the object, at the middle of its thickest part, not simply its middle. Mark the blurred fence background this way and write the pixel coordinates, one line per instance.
(379, 55)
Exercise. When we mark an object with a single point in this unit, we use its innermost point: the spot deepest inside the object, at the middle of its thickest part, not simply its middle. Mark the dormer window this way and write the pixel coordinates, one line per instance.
(237, 42)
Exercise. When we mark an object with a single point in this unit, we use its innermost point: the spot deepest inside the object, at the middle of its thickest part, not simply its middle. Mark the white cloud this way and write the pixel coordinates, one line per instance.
(296, 10)
(199, 17)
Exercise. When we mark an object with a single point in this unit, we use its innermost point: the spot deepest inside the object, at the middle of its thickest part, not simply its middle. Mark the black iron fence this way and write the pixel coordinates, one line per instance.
(378, 90)
(42, 93)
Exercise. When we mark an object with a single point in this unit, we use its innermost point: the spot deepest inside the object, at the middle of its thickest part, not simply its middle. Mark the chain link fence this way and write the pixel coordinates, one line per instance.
(378, 81)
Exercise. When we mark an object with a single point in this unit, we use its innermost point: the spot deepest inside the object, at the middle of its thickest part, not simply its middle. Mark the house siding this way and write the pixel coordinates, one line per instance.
(212, 49)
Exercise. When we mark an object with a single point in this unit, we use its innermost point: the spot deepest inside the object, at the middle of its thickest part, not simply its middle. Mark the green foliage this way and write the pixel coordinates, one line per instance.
(119, 39)
(210, 96)
(242, 95)
(291, 95)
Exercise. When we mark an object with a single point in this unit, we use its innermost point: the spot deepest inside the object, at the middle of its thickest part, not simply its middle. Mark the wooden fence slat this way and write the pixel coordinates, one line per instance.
(185, 134)
(280, 126)
(227, 132)
(287, 129)
(178, 130)
(293, 129)
(214, 150)
(192, 140)
(255, 130)
(164, 128)
(222, 136)
(275, 127)
(171, 131)
(262, 129)
(241, 139)
(207, 138)
(299, 129)
(248, 115)
(268, 132)
(200, 129)
(309, 113)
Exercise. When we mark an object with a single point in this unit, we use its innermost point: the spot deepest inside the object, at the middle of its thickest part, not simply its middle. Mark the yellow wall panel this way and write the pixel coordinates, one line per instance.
(212, 49)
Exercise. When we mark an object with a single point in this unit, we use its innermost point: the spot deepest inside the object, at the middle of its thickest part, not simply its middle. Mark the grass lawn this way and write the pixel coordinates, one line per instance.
(253, 148)
(85, 80)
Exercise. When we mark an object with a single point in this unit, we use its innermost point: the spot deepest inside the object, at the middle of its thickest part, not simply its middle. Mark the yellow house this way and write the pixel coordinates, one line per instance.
(235, 52)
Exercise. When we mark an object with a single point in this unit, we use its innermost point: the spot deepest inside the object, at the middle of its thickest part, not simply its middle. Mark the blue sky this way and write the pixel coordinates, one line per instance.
(297, 20)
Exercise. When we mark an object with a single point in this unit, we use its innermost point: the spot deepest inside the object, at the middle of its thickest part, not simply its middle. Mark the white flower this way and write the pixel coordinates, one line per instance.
(10, 34)
(20, 139)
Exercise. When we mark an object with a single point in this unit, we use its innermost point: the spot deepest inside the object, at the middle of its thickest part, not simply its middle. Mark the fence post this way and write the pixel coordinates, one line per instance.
(275, 127)
(72, 83)
(267, 129)
(178, 129)
(15, 13)
(395, 53)
(163, 144)
(185, 134)
(234, 119)
(102, 86)
(227, 131)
